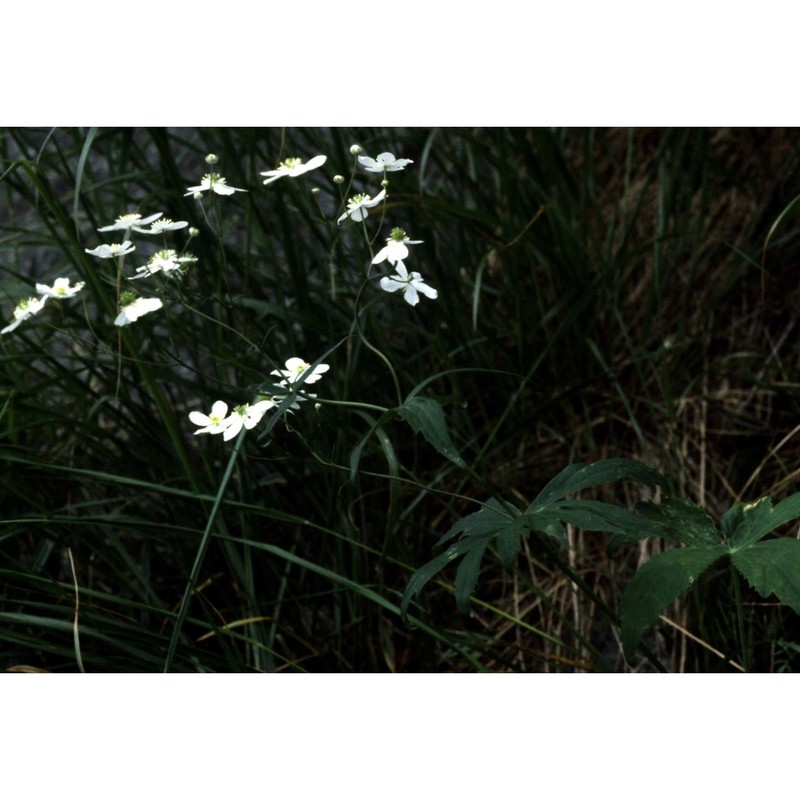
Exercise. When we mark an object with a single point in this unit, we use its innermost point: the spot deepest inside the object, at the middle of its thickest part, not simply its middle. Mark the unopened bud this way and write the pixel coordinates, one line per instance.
(355, 149)
(338, 178)
(211, 159)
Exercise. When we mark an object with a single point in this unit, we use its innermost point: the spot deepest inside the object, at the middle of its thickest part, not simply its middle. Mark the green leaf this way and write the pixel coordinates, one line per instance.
(772, 567)
(509, 543)
(742, 523)
(425, 416)
(467, 574)
(547, 522)
(664, 578)
(427, 572)
(594, 515)
(493, 521)
(493, 517)
(681, 521)
(583, 476)
(745, 524)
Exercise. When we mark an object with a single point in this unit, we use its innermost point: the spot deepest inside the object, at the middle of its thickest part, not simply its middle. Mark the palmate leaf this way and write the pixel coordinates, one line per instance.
(662, 579)
(493, 521)
(428, 571)
(772, 567)
(506, 525)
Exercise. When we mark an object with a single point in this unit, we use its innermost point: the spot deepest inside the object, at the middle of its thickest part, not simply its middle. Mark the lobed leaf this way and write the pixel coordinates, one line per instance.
(772, 567)
(664, 578)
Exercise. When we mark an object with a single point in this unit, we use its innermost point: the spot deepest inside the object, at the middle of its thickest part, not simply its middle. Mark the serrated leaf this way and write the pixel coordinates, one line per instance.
(742, 523)
(425, 416)
(467, 574)
(681, 521)
(547, 522)
(493, 521)
(509, 543)
(594, 515)
(772, 567)
(428, 571)
(584, 476)
(753, 521)
(493, 517)
(662, 579)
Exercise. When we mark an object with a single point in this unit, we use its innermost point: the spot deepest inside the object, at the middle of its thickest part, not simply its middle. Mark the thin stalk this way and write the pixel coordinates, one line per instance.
(737, 593)
(201, 551)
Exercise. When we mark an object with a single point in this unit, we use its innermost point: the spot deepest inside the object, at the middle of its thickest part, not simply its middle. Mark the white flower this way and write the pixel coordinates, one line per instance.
(59, 289)
(214, 182)
(128, 221)
(131, 310)
(293, 167)
(357, 206)
(409, 285)
(25, 308)
(215, 422)
(247, 416)
(396, 248)
(163, 261)
(385, 162)
(112, 250)
(296, 368)
(163, 225)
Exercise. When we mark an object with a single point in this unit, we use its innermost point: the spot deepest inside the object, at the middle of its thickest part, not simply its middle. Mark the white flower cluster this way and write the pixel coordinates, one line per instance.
(33, 305)
(396, 249)
(247, 416)
(131, 306)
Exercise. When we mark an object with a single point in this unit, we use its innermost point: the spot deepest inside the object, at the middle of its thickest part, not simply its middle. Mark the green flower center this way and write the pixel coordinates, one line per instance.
(356, 200)
(290, 163)
(126, 298)
(23, 306)
(398, 234)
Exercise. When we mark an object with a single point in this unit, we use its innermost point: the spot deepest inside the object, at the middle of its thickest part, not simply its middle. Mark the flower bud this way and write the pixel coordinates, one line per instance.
(338, 178)
(355, 149)
(193, 232)
(198, 195)
(211, 159)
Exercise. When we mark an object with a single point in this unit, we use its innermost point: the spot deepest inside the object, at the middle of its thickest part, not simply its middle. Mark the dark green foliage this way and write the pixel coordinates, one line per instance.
(770, 567)
(547, 514)
(603, 294)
